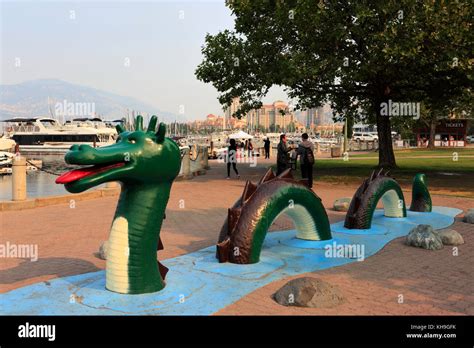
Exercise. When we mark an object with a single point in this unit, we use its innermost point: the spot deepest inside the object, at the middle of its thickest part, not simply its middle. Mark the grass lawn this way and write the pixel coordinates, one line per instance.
(423, 152)
(445, 176)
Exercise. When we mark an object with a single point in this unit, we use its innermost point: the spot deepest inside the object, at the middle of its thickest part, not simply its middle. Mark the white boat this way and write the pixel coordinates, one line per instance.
(105, 132)
(7, 144)
(5, 158)
(6, 161)
(44, 135)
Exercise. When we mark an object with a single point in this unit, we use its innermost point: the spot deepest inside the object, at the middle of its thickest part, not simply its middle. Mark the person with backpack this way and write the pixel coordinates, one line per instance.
(306, 153)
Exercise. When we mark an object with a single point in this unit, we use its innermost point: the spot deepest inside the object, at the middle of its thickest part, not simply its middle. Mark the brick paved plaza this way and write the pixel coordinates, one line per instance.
(431, 282)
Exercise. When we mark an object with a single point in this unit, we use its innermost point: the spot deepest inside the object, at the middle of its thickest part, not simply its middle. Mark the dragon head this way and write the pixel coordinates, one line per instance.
(139, 156)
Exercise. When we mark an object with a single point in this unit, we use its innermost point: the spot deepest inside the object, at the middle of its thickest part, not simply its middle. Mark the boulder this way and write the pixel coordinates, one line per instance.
(342, 204)
(104, 247)
(450, 237)
(308, 292)
(423, 236)
(469, 216)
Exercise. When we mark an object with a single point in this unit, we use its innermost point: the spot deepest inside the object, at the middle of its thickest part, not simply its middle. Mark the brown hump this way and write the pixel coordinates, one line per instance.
(372, 176)
(233, 216)
(223, 250)
(304, 182)
(163, 270)
(286, 174)
(249, 189)
(269, 175)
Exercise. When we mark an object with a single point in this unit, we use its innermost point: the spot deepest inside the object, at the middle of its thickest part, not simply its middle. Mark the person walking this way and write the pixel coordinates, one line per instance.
(306, 153)
(282, 155)
(266, 146)
(232, 158)
(249, 148)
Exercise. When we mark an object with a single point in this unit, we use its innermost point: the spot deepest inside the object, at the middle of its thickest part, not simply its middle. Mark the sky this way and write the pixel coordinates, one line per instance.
(148, 50)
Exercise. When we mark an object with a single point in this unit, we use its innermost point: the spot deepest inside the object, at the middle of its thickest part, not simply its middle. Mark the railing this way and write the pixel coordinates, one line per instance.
(23, 128)
(188, 169)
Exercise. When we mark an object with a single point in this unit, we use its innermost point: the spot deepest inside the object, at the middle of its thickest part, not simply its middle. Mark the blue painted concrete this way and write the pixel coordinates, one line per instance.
(198, 285)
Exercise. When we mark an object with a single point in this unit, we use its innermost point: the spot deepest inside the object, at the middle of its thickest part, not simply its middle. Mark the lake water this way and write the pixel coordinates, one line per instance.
(39, 183)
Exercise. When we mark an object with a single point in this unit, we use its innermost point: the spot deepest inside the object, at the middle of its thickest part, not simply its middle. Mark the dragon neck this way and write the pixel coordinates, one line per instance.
(143, 205)
(132, 265)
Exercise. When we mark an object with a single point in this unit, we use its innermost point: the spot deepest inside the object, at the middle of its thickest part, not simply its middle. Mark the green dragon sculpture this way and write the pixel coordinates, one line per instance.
(379, 186)
(146, 163)
(420, 195)
(244, 231)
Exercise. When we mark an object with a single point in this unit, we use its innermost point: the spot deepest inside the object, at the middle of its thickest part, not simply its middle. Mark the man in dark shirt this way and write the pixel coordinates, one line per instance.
(267, 147)
(282, 156)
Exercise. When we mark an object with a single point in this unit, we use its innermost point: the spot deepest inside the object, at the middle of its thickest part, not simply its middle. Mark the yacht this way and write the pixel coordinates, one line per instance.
(43, 135)
(6, 161)
(105, 131)
(7, 144)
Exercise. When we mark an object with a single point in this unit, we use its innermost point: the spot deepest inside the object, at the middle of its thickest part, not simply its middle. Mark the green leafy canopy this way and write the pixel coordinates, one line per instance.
(353, 54)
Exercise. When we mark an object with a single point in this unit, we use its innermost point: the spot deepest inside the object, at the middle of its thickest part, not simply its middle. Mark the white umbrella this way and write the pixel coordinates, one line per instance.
(240, 135)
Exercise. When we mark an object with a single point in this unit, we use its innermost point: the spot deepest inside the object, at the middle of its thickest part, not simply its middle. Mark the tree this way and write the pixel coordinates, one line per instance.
(357, 55)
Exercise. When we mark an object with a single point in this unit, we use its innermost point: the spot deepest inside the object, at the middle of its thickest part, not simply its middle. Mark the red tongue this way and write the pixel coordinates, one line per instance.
(77, 174)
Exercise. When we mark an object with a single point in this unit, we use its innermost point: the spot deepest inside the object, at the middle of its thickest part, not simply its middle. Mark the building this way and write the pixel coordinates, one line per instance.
(214, 121)
(275, 117)
(448, 133)
(312, 117)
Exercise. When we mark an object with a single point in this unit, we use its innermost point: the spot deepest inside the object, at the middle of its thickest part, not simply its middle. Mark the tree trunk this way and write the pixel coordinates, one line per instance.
(431, 143)
(384, 130)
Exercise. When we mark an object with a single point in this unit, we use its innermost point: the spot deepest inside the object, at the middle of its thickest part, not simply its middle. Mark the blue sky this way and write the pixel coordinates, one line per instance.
(161, 39)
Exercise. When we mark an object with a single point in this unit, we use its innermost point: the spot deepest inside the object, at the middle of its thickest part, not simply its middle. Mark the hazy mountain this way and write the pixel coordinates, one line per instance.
(30, 99)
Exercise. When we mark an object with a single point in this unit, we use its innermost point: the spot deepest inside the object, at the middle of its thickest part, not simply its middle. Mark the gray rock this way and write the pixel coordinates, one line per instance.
(104, 248)
(469, 216)
(450, 237)
(308, 292)
(423, 236)
(342, 204)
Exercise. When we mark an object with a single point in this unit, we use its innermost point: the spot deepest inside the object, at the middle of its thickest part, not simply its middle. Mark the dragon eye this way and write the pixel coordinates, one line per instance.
(132, 141)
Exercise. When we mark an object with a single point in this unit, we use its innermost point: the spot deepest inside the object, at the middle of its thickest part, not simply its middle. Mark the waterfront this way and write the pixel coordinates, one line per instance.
(38, 183)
